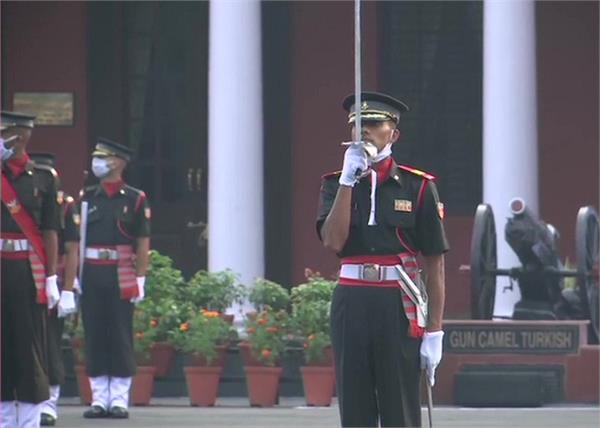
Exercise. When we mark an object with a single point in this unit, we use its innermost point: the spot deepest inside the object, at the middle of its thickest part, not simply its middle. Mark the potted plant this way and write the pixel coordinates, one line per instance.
(311, 303)
(144, 329)
(204, 338)
(166, 306)
(266, 341)
(215, 291)
(265, 296)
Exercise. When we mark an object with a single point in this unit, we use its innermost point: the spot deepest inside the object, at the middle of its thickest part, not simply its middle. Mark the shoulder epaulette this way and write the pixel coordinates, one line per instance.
(331, 175)
(47, 168)
(87, 189)
(416, 171)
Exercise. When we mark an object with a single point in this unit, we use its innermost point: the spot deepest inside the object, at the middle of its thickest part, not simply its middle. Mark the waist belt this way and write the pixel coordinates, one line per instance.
(14, 245)
(101, 254)
(371, 272)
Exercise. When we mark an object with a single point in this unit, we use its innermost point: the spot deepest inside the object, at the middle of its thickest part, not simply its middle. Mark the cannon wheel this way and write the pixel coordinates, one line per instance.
(587, 246)
(483, 262)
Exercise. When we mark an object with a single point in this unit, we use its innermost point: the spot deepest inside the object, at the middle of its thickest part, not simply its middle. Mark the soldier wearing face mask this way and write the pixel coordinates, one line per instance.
(28, 284)
(117, 241)
(377, 216)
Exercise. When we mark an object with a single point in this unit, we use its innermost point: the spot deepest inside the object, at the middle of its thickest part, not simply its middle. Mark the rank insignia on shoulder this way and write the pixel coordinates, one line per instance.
(440, 209)
(147, 213)
(402, 205)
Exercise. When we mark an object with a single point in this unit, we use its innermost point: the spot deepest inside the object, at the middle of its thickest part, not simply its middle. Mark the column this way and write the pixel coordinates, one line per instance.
(235, 186)
(510, 165)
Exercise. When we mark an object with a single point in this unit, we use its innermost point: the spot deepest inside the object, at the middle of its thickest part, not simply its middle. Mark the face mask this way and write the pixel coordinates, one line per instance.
(384, 153)
(100, 167)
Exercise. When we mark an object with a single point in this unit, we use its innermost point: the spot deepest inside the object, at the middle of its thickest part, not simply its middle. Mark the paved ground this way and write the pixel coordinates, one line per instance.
(233, 412)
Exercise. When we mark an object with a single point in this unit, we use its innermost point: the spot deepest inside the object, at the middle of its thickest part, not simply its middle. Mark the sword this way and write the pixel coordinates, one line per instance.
(357, 71)
(82, 235)
(429, 400)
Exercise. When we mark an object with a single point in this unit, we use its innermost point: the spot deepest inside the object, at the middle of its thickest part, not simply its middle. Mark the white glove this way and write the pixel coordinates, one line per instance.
(431, 353)
(52, 291)
(141, 281)
(76, 286)
(66, 304)
(355, 163)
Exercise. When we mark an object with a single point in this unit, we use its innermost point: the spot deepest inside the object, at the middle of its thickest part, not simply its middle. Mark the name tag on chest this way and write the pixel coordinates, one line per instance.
(403, 205)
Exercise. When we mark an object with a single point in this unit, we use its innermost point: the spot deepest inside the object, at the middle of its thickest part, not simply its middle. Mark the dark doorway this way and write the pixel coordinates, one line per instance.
(153, 58)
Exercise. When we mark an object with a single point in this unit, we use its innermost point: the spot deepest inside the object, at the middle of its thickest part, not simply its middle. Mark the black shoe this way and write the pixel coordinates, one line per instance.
(118, 413)
(95, 412)
(47, 420)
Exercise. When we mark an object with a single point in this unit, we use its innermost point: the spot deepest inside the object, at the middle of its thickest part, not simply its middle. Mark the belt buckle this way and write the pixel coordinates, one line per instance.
(103, 254)
(371, 272)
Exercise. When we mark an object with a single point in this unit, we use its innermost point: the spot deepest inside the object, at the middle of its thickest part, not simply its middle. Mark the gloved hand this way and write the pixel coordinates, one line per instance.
(4, 152)
(431, 353)
(52, 291)
(66, 304)
(76, 286)
(355, 163)
(141, 281)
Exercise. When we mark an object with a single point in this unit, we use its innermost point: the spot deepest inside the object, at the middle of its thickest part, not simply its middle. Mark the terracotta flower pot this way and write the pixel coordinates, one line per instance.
(203, 384)
(83, 384)
(319, 384)
(198, 360)
(142, 386)
(263, 385)
(247, 357)
(163, 358)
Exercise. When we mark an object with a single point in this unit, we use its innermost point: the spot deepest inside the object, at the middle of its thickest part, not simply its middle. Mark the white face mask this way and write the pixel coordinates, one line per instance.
(101, 167)
(384, 153)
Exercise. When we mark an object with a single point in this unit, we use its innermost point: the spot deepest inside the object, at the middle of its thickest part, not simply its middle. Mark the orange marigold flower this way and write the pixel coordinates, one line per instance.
(154, 323)
(184, 327)
(312, 337)
(272, 329)
(211, 314)
(262, 321)
(251, 330)
(266, 353)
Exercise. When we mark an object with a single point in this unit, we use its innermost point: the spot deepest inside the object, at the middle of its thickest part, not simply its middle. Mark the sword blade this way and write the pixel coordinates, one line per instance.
(82, 236)
(357, 71)
(429, 401)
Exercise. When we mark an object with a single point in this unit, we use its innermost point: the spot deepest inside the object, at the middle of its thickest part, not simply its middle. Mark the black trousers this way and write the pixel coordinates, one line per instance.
(23, 364)
(56, 367)
(107, 322)
(377, 363)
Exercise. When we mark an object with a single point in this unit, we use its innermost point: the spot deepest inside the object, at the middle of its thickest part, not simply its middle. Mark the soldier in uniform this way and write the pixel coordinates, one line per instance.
(68, 239)
(29, 248)
(378, 216)
(117, 241)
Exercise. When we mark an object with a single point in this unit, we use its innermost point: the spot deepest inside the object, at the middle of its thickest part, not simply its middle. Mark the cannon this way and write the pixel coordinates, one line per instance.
(541, 274)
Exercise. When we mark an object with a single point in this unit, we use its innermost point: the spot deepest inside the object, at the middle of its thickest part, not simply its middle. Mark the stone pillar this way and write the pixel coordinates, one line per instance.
(235, 145)
(510, 159)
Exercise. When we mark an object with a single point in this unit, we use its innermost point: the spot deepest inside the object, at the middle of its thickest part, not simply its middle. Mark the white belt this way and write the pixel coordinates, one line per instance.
(12, 245)
(101, 254)
(369, 272)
